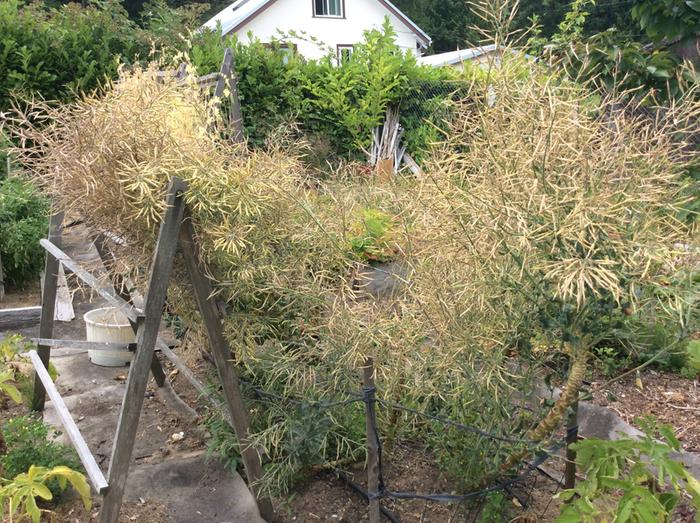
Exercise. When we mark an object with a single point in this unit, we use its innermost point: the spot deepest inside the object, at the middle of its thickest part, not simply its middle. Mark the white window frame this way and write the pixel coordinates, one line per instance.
(344, 47)
(327, 8)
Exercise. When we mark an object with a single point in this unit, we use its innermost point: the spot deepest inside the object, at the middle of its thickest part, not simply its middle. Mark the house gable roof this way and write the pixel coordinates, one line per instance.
(240, 12)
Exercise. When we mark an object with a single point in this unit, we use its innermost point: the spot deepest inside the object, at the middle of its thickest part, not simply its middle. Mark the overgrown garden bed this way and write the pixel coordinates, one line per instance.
(550, 223)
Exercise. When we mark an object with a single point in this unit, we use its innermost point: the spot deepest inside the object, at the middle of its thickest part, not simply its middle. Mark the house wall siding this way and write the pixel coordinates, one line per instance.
(297, 15)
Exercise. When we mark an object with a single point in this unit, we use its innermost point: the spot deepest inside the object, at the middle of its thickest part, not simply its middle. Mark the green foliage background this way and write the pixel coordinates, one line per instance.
(23, 222)
(341, 103)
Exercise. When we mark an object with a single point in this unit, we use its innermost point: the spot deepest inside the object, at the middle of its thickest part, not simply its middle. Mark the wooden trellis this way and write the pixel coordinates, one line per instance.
(176, 231)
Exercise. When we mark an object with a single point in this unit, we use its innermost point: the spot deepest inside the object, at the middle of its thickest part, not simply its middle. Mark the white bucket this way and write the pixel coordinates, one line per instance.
(109, 325)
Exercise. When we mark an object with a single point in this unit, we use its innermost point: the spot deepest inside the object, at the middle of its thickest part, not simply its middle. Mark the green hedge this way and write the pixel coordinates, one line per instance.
(23, 222)
(340, 103)
(55, 53)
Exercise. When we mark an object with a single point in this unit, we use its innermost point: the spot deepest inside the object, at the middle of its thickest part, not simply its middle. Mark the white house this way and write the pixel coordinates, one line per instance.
(339, 24)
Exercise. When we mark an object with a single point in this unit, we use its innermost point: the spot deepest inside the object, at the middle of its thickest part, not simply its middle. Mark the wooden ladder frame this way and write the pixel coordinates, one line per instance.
(176, 230)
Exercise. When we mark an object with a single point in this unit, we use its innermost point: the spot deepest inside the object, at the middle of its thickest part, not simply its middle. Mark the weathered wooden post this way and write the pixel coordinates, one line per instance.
(149, 324)
(227, 78)
(373, 468)
(235, 116)
(222, 358)
(48, 308)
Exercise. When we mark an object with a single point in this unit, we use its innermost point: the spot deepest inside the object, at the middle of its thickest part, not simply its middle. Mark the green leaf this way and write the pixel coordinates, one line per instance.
(9, 389)
(32, 509)
(77, 480)
(42, 491)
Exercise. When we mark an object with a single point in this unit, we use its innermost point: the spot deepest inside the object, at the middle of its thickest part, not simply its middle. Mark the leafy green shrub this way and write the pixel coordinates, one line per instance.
(371, 238)
(21, 492)
(23, 222)
(56, 52)
(629, 480)
(667, 18)
(341, 102)
(30, 442)
(614, 61)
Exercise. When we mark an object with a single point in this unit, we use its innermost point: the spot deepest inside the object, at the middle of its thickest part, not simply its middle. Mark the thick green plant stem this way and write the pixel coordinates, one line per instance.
(569, 394)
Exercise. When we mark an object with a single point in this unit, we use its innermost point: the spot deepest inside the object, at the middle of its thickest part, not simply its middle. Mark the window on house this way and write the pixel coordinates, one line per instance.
(330, 8)
(285, 49)
(344, 53)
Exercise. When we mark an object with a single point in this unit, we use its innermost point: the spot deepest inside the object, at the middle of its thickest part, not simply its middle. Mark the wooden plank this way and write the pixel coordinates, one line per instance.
(99, 483)
(208, 80)
(235, 115)
(181, 71)
(372, 442)
(412, 165)
(19, 317)
(48, 306)
(106, 291)
(149, 324)
(222, 356)
(82, 344)
(224, 73)
(227, 78)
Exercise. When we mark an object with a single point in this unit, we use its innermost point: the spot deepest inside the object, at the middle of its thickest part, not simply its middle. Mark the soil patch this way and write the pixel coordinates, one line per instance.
(29, 296)
(327, 498)
(668, 397)
(73, 511)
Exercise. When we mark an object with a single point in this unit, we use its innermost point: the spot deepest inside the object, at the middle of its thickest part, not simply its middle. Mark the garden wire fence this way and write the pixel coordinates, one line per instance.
(425, 112)
(519, 487)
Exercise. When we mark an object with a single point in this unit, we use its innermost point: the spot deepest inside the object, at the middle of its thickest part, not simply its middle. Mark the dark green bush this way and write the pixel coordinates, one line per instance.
(54, 53)
(30, 441)
(23, 222)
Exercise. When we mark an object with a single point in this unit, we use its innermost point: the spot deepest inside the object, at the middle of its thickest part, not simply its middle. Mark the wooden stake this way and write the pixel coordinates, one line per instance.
(571, 438)
(146, 339)
(372, 442)
(88, 460)
(235, 116)
(227, 374)
(48, 307)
